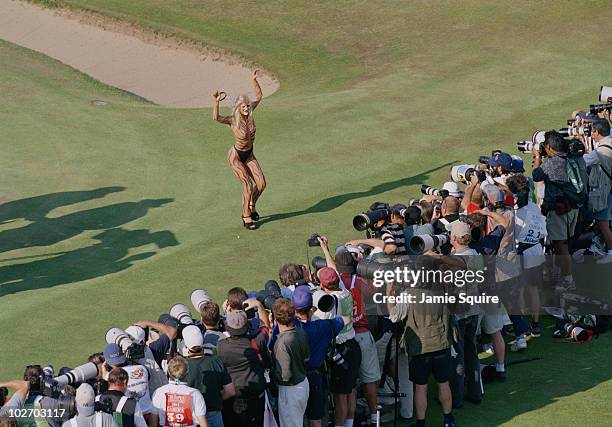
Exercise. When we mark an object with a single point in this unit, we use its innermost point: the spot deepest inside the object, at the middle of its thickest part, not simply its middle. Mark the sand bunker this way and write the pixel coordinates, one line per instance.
(160, 71)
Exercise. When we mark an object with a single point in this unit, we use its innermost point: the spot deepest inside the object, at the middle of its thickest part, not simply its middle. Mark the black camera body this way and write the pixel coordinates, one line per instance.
(313, 240)
(135, 352)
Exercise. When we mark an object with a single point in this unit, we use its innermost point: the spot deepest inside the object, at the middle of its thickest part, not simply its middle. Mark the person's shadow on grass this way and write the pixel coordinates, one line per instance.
(108, 256)
(37, 207)
(49, 231)
(333, 202)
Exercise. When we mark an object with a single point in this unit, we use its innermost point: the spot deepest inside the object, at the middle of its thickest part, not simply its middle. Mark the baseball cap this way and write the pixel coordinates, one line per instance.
(494, 194)
(460, 228)
(236, 322)
(327, 276)
(85, 400)
(113, 354)
(345, 263)
(587, 116)
(302, 298)
(192, 337)
(501, 159)
(452, 188)
(136, 333)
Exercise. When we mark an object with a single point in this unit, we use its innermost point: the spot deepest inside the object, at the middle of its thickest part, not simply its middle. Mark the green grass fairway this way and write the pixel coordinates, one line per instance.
(113, 213)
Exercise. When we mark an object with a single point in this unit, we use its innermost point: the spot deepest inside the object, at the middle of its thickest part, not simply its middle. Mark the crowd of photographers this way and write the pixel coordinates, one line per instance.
(304, 348)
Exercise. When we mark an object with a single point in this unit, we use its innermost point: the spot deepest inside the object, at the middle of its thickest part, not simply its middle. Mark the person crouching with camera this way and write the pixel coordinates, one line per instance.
(345, 369)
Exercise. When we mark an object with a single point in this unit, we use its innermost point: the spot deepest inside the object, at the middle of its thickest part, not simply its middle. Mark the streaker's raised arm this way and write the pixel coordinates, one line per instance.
(216, 95)
(258, 92)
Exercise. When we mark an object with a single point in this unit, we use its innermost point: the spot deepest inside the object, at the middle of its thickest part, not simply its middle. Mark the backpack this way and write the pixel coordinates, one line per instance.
(599, 185)
(574, 190)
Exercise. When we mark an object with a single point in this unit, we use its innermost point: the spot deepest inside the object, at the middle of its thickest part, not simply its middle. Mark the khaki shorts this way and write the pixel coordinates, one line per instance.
(492, 323)
(558, 226)
(369, 370)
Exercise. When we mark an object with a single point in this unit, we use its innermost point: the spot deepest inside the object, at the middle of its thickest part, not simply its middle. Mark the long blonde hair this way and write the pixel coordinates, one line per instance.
(236, 114)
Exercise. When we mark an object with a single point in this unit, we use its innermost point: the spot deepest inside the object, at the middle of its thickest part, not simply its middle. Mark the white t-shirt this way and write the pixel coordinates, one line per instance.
(529, 228)
(173, 401)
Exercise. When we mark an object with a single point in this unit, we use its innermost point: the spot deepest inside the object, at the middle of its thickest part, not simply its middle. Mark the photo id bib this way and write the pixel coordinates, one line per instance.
(178, 410)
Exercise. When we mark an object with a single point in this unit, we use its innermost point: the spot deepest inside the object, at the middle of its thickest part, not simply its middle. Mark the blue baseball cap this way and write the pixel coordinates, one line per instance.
(113, 354)
(302, 298)
(501, 159)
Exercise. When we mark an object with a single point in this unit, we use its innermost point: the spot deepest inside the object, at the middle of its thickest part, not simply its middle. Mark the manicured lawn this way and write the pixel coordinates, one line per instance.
(112, 214)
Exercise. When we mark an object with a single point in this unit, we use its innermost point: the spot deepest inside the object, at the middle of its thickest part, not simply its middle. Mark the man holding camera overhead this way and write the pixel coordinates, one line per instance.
(600, 176)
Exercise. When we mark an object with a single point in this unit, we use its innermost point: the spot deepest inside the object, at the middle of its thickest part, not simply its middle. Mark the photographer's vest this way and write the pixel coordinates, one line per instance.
(34, 421)
(123, 407)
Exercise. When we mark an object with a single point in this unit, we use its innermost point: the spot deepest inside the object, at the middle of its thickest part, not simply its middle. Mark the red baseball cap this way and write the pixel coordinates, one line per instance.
(327, 276)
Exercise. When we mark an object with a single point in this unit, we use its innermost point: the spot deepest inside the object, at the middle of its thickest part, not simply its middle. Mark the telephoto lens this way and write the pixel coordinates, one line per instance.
(182, 314)
(323, 301)
(524, 146)
(80, 374)
(368, 219)
(199, 297)
(119, 337)
(462, 173)
(605, 94)
(424, 243)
